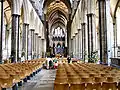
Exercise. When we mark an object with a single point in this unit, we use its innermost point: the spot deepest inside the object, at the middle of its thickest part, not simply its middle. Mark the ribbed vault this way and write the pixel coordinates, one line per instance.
(57, 14)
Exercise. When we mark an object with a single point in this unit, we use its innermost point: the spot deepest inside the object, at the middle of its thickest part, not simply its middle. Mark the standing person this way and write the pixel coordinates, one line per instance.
(69, 59)
(47, 63)
(50, 64)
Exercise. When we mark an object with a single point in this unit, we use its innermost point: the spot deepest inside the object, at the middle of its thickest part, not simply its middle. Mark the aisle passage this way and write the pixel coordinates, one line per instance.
(44, 80)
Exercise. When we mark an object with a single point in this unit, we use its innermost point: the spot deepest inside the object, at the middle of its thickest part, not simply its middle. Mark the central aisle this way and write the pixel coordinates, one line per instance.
(44, 80)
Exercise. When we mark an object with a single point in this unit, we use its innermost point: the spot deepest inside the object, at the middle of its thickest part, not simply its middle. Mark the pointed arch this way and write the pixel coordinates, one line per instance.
(47, 3)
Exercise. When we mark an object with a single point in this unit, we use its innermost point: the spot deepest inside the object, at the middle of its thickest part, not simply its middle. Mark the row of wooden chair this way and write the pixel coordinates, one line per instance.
(13, 73)
(89, 76)
(88, 86)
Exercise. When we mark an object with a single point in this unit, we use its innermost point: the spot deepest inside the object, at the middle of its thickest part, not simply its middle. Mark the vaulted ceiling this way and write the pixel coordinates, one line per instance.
(57, 6)
(57, 13)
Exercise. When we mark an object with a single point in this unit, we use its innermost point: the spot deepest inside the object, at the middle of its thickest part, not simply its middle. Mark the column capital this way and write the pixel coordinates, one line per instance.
(114, 20)
(39, 36)
(2, 0)
(16, 15)
(73, 36)
(90, 14)
(76, 33)
(26, 24)
(101, 0)
(36, 33)
(32, 29)
(83, 23)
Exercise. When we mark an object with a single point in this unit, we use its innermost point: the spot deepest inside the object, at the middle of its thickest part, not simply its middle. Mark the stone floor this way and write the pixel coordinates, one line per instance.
(44, 80)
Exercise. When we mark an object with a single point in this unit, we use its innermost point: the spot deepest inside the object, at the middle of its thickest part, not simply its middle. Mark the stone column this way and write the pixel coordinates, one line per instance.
(1, 26)
(72, 47)
(102, 30)
(76, 39)
(34, 54)
(83, 41)
(75, 44)
(78, 50)
(35, 44)
(25, 40)
(90, 35)
(80, 43)
(115, 36)
(37, 41)
(37, 49)
(29, 44)
(15, 38)
(42, 47)
(32, 43)
(39, 46)
(69, 36)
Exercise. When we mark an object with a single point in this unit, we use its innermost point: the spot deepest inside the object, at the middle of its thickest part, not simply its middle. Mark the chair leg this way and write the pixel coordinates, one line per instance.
(15, 87)
(25, 79)
(34, 73)
(20, 83)
(28, 77)
(31, 75)
(3, 89)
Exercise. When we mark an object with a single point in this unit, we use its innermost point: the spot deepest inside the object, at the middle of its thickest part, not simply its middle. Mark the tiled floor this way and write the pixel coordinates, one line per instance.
(42, 81)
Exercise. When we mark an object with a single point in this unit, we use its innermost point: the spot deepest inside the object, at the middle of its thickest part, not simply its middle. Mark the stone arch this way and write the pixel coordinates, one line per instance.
(59, 44)
(114, 5)
(47, 3)
(56, 25)
(59, 10)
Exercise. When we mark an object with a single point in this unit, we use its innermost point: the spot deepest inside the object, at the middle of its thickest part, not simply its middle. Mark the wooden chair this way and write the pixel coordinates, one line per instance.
(12, 73)
(61, 86)
(61, 80)
(109, 86)
(99, 79)
(119, 86)
(93, 86)
(87, 80)
(74, 80)
(80, 86)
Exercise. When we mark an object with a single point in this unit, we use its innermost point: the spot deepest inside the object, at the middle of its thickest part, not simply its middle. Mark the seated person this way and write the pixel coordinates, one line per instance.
(55, 63)
(55, 60)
